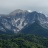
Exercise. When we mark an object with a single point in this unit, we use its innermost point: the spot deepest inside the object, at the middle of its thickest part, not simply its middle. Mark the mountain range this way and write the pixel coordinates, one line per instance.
(24, 21)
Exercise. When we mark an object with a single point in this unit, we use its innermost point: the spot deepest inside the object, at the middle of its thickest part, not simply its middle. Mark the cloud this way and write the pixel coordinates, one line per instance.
(6, 6)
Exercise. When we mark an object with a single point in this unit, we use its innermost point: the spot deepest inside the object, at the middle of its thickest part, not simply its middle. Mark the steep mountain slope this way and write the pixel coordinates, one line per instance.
(36, 29)
(19, 19)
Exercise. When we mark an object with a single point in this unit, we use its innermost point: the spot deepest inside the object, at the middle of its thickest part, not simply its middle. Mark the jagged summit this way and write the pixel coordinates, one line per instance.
(29, 10)
(18, 11)
(34, 12)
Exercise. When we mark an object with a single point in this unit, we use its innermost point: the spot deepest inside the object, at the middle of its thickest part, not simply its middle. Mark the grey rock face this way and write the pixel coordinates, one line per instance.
(18, 19)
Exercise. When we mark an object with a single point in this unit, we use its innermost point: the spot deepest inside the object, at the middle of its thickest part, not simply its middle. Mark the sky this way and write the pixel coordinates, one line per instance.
(7, 6)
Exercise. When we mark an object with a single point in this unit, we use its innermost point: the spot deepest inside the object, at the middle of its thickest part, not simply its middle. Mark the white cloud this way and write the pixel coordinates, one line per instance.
(7, 6)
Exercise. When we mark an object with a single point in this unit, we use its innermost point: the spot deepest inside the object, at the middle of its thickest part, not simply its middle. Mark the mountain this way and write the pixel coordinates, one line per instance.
(36, 29)
(19, 19)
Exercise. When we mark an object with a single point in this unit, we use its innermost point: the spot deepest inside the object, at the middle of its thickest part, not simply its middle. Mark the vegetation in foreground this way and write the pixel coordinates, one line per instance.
(23, 41)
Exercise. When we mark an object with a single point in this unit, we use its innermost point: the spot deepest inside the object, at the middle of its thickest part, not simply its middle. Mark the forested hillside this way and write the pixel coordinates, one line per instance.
(23, 41)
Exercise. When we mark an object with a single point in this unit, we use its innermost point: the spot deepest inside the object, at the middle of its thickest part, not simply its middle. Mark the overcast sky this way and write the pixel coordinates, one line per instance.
(7, 6)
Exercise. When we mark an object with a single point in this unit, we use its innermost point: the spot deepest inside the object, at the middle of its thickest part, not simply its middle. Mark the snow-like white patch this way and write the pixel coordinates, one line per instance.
(14, 30)
(7, 26)
(46, 15)
(17, 19)
(40, 12)
(13, 24)
(5, 20)
(20, 25)
(25, 23)
(33, 21)
(44, 22)
(1, 28)
(17, 30)
(29, 10)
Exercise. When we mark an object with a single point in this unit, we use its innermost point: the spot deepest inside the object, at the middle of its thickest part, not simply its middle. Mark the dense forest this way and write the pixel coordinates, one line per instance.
(23, 41)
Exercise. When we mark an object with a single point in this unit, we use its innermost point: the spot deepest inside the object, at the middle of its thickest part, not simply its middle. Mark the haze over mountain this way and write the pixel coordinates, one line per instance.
(7, 6)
